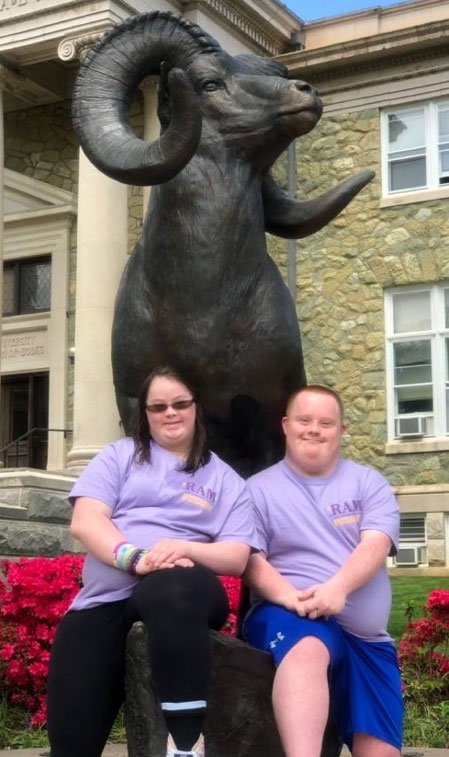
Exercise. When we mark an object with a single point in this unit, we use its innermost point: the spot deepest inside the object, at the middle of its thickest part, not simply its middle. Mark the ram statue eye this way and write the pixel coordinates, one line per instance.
(211, 86)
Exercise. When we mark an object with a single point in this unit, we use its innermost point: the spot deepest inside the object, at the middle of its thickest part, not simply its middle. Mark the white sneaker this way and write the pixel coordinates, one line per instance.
(196, 751)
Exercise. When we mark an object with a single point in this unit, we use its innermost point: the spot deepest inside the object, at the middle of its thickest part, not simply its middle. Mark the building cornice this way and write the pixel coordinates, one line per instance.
(64, 213)
(32, 33)
(371, 53)
(266, 26)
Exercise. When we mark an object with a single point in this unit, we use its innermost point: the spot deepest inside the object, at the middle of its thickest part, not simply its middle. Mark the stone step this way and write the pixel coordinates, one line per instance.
(35, 513)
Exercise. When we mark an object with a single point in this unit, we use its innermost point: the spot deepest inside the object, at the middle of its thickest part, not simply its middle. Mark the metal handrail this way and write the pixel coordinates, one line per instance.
(27, 435)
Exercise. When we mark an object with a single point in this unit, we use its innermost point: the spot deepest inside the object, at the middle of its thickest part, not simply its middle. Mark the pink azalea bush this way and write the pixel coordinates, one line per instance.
(424, 652)
(34, 594)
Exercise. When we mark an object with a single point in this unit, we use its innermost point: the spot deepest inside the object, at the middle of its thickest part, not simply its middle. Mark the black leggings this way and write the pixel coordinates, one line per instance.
(87, 665)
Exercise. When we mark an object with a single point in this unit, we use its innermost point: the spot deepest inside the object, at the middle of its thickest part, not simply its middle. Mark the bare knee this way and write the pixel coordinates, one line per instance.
(365, 745)
(310, 652)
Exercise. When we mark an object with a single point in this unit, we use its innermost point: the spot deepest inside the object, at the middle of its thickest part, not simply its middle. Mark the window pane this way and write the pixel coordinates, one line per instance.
(413, 377)
(443, 122)
(35, 286)
(8, 290)
(406, 129)
(407, 174)
(411, 355)
(411, 312)
(444, 157)
(414, 399)
(444, 164)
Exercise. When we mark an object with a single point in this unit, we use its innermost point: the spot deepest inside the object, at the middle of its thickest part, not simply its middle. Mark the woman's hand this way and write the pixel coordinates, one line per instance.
(167, 553)
(223, 558)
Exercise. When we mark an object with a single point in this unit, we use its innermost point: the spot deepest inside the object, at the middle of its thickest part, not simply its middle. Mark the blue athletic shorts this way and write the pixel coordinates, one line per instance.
(365, 685)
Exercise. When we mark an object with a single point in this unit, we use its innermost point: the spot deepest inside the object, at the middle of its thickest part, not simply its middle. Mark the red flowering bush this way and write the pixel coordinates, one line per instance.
(424, 652)
(233, 588)
(34, 594)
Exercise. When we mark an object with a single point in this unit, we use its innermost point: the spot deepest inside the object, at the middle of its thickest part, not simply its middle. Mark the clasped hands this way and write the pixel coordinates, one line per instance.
(318, 601)
(166, 553)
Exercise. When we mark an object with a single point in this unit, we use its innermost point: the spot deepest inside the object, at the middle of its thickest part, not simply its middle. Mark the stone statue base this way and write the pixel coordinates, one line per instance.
(240, 720)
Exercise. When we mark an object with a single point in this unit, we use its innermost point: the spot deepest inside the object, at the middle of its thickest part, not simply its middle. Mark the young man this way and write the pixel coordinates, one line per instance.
(325, 527)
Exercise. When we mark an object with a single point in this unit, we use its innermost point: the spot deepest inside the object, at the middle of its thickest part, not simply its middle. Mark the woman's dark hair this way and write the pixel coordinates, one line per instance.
(199, 454)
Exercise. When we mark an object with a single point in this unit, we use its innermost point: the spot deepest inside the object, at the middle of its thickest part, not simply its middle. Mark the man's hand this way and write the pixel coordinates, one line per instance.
(291, 600)
(321, 600)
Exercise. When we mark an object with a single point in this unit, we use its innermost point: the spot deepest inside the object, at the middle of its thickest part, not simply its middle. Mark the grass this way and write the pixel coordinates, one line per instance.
(428, 728)
(14, 733)
(411, 593)
(14, 730)
(422, 728)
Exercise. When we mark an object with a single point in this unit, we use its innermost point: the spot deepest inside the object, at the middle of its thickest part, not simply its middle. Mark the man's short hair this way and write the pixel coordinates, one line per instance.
(318, 389)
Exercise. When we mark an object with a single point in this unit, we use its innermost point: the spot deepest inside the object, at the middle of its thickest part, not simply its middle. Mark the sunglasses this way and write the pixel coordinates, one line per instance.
(162, 407)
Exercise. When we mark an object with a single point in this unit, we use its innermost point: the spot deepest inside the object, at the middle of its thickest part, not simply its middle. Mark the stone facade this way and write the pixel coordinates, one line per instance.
(40, 142)
(343, 271)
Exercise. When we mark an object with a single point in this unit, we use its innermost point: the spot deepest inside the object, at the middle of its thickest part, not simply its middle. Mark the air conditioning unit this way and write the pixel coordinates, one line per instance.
(408, 556)
(412, 425)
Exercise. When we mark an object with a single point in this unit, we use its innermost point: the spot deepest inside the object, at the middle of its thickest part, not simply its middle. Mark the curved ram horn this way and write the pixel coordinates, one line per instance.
(292, 219)
(108, 77)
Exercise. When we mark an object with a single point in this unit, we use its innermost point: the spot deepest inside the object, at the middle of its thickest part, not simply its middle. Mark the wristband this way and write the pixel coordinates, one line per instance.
(116, 549)
(126, 556)
(131, 568)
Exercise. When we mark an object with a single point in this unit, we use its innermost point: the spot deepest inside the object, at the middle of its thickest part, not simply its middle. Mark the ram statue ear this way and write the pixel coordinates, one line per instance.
(292, 219)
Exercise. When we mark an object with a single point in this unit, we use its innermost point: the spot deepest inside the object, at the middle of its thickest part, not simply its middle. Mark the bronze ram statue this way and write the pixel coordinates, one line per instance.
(200, 291)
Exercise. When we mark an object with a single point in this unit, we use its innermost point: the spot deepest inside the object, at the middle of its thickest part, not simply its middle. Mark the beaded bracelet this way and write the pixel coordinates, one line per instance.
(126, 556)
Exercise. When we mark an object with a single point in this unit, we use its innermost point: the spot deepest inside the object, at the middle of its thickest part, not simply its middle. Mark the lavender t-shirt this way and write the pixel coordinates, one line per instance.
(151, 501)
(308, 527)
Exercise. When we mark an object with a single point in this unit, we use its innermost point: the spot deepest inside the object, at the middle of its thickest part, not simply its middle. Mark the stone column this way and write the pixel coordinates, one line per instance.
(151, 125)
(101, 255)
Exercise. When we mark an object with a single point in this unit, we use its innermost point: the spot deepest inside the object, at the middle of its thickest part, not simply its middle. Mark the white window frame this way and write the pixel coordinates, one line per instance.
(437, 336)
(431, 147)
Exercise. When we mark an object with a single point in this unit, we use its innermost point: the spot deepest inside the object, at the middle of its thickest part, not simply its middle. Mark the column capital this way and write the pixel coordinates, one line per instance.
(75, 48)
(149, 84)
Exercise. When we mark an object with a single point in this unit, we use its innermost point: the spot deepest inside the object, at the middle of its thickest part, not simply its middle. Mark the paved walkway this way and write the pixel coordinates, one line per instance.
(120, 751)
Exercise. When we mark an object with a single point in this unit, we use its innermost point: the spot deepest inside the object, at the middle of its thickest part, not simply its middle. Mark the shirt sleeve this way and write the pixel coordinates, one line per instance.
(260, 517)
(101, 479)
(239, 523)
(380, 509)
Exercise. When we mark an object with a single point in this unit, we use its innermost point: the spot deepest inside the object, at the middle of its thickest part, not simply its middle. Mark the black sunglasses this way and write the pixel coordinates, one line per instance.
(162, 407)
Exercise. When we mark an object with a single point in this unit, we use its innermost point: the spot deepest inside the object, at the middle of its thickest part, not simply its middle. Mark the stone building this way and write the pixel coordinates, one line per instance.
(372, 288)
(67, 232)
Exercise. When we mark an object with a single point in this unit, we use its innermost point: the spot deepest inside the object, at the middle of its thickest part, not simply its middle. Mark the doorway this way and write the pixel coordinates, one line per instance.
(24, 409)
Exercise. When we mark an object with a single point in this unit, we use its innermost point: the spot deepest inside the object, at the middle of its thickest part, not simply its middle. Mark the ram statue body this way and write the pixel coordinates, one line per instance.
(200, 291)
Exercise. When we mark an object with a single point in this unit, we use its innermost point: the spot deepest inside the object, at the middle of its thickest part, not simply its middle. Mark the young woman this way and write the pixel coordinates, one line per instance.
(160, 516)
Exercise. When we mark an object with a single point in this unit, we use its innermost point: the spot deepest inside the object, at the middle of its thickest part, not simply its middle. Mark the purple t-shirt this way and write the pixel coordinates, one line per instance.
(151, 501)
(308, 527)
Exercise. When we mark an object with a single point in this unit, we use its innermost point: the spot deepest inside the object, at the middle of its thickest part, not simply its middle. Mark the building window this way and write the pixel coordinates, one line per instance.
(412, 548)
(27, 286)
(417, 330)
(415, 147)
